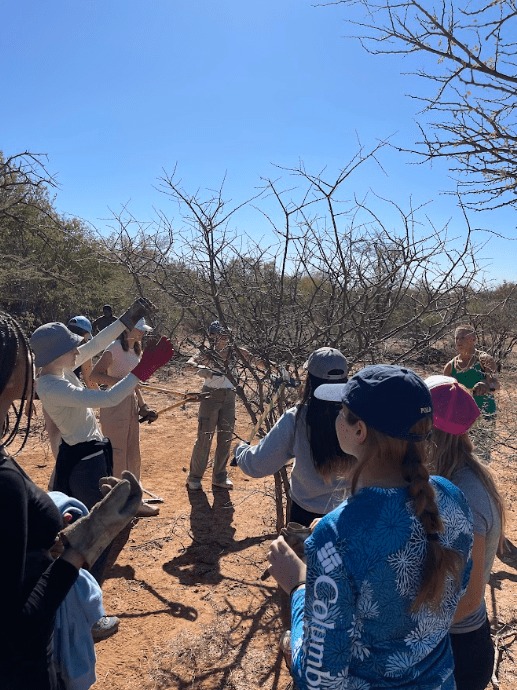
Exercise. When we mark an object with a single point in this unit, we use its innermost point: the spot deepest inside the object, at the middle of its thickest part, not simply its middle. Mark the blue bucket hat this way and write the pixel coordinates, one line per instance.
(388, 398)
(52, 340)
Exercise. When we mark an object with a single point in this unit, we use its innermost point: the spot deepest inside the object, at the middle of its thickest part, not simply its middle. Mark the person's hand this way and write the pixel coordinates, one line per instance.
(155, 356)
(57, 549)
(285, 566)
(147, 415)
(236, 447)
(313, 524)
(481, 388)
(140, 308)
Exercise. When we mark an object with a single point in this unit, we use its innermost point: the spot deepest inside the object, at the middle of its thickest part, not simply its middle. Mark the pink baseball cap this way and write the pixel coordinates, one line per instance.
(454, 408)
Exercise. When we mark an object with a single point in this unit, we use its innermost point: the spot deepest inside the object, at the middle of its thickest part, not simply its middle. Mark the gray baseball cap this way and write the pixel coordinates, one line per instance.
(327, 363)
(50, 341)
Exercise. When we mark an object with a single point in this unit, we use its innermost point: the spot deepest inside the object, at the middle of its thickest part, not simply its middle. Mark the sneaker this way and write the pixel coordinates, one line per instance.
(225, 484)
(105, 627)
(193, 485)
(147, 510)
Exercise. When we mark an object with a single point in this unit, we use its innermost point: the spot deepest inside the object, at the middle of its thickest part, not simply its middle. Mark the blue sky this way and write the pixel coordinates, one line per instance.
(115, 92)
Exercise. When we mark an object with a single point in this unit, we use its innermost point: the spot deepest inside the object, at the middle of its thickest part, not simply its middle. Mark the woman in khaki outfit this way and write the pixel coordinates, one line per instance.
(121, 423)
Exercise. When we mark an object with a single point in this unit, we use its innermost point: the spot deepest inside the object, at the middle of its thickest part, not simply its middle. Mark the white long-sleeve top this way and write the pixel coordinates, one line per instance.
(69, 404)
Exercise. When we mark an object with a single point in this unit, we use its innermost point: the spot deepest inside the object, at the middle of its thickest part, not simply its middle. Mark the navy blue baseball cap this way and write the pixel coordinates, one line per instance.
(388, 398)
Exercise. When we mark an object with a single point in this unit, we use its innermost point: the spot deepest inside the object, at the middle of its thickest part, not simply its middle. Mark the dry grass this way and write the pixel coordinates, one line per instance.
(214, 657)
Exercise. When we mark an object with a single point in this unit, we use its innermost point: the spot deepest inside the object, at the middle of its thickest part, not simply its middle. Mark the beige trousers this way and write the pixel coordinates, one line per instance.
(120, 425)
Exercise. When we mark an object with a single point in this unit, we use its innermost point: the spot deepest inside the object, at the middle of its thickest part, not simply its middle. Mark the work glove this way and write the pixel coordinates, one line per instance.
(147, 415)
(140, 308)
(234, 462)
(295, 535)
(155, 356)
(93, 533)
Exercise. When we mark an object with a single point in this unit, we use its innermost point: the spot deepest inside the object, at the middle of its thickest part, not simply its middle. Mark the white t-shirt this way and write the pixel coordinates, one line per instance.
(122, 362)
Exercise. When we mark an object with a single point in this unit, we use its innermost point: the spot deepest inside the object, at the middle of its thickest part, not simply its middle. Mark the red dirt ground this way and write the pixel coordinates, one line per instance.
(186, 584)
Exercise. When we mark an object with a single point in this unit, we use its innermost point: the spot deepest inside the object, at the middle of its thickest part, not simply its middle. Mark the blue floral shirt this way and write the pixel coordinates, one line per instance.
(351, 625)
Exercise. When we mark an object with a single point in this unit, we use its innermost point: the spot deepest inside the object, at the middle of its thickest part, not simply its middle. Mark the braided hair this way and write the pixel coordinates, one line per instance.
(13, 344)
(440, 561)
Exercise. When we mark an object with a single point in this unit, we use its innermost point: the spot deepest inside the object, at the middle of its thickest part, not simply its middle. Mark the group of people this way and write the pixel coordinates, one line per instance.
(44, 569)
(405, 520)
(391, 590)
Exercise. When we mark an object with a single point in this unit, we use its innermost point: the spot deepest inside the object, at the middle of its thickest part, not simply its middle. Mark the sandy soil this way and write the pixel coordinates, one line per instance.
(186, 584)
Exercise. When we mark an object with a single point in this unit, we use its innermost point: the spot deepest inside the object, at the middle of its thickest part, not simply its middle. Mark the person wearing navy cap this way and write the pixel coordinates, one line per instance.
(372, 605)
(121, 423)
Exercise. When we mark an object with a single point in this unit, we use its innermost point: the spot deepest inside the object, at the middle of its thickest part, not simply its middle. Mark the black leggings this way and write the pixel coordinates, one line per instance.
(302, 516)
(473, 658)
(78, 470)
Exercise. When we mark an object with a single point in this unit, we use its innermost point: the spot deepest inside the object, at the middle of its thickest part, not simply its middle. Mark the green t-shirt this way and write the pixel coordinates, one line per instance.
(469, 378)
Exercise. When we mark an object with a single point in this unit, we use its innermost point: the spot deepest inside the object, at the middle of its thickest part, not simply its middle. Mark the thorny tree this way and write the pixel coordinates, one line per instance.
(335, 274)
(471, 118)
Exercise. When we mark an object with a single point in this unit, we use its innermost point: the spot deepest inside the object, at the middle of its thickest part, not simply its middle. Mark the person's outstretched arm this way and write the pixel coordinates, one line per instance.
(273, 451)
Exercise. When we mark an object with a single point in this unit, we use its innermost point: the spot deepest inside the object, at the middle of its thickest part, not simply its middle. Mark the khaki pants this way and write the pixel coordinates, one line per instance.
(215, 413)
(120, 425)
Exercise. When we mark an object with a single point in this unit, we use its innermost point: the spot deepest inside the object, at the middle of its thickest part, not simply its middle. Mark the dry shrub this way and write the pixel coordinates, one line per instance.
(210, 658)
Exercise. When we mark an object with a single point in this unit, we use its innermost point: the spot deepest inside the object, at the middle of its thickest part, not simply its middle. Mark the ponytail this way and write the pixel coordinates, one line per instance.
(326, 454)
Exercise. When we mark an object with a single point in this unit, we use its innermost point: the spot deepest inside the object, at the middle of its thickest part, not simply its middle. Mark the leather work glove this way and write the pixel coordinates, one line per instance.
(155, 356)
(295, 535)
(93, 533)
(234, 462)
(140, 308)
(147, 415)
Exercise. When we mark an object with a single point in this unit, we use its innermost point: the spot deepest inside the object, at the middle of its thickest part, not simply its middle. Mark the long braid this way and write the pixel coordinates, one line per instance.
(12, 344)
(440, 561)
(416, 474)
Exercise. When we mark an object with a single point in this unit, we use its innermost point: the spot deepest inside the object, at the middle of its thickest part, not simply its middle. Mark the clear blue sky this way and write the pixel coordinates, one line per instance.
(116, 91)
